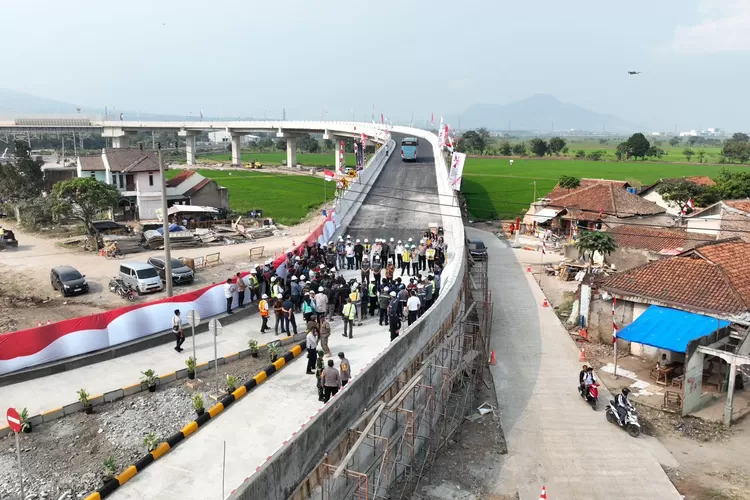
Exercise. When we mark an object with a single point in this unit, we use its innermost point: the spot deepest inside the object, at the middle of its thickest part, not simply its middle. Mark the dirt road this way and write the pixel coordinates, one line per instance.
(26, 296)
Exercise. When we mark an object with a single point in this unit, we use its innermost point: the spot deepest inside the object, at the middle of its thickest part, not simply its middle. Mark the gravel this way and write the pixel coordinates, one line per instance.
(65, 457)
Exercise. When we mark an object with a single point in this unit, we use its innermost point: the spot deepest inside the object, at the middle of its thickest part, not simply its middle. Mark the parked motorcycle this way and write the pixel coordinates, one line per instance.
(631, 419)
(592, 394)
(120, 288)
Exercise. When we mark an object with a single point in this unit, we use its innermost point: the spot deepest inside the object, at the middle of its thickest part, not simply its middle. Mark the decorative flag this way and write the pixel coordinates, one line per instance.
(689, 205)
(382, 118)
(432, 119)
(341, 156)
(441, 136)
(201, 114)
(614, 325)
(121, 116)
(544, 247)
(457, 170)
(329, 176)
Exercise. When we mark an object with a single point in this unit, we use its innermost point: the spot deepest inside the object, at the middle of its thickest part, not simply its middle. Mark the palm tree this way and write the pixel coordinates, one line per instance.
(590, 242)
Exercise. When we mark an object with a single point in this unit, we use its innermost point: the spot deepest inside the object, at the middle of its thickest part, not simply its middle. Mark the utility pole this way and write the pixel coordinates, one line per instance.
(165, 225)
(534, 200)
(153, 139)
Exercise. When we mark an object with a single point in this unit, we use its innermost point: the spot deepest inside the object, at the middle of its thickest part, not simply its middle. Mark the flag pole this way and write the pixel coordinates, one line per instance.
(614, 334)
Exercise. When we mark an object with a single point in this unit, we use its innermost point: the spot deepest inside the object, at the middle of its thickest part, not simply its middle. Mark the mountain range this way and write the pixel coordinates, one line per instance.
(540, 112)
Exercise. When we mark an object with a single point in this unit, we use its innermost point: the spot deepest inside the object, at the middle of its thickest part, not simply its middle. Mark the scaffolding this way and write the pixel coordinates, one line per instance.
(387, 452)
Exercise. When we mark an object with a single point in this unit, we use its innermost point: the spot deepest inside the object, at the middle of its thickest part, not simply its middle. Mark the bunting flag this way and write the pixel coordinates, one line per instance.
(329, 176)
(614, 324)
(432, 119)
(382, 118)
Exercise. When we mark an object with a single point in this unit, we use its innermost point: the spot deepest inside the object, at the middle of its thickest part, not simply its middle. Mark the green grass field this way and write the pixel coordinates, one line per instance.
(309, 159)
(493, 189)
(286, 198)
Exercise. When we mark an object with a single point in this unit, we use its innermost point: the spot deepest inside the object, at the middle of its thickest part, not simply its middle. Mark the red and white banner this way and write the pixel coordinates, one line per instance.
(341, 156)
(441, 134)
(85, 334)
(457, 170)
(329, 176)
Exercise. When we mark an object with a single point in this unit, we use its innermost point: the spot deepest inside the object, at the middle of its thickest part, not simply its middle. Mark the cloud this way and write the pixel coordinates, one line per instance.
(723, 29)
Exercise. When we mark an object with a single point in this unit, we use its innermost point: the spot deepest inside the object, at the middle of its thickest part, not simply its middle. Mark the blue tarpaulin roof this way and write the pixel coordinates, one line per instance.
(669, 329)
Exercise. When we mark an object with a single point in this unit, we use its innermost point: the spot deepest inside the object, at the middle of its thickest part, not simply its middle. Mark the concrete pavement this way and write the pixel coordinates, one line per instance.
(253, 428)
(553, 437)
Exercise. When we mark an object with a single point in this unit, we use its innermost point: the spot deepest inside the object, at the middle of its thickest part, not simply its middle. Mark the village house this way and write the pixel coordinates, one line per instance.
(651, 193)
(724, 219)
(694, 307)
(638, 245)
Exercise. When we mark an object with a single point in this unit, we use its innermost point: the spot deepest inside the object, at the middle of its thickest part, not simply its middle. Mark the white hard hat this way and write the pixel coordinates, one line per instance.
(304, 277)
(294, 278)
(297, 258)
(391, 240)
(341, 238)
(322, 266)
(253, 271)
(366, 241)
(348, 236)
(264, 296)
(393, 294)
(410, 240)
(399, 242)
(390, 261)
(320, 289)
(385, 288)
(357, 240)
(273, 279)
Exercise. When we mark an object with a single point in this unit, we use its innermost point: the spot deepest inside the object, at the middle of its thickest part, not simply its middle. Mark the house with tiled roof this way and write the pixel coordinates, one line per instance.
(724, 219)
(651, 192)
(638, 245)
(135, 174)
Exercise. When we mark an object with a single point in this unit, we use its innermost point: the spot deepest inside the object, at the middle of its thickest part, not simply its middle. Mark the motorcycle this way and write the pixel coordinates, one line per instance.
(631, 419)
(120, 288)
(592, 394)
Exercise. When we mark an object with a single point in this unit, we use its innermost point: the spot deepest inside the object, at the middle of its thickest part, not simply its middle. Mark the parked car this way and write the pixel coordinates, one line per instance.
(181, 274)
(141, 276)
(477, 249)
(68, 280)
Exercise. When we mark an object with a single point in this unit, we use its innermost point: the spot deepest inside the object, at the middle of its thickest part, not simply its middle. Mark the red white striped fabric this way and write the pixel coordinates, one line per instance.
(614, 323)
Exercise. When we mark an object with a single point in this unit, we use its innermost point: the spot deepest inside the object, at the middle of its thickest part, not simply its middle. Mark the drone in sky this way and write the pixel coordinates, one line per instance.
(634, 72)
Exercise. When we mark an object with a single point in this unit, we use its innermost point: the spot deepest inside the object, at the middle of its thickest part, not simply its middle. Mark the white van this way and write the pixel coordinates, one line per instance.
(141, 276)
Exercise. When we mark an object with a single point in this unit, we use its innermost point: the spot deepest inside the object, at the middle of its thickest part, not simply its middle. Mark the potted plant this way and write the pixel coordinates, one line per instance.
(198, 404)
(190, 362)
(110, 469)
(231, 383)
(254, 349)
(273, 350)
(150, 441)
(149, 379)
(83, 397)
(25, 424)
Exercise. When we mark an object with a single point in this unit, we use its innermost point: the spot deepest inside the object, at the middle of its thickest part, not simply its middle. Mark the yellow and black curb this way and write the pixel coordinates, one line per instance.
(163, 447)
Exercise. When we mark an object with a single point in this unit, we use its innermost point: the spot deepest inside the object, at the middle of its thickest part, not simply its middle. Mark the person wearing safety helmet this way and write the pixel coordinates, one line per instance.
(406, 260)
(377, 267)
(365, 269)
(340, 254)
(385, 249)
(367, 247)
(395, 311)
(383, 301)
(358, 251)
(389, 270)
(399, 250)
(349, 252)
(414, 257)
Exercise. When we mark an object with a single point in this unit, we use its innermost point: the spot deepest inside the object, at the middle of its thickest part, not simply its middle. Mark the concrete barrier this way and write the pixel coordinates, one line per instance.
(278, 477)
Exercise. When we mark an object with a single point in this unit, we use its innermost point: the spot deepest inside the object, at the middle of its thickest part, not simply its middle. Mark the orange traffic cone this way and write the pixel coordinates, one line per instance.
(528, 268)
(544, 494)
(584, 333)
(545, 303)
(582, 357)
(493, 359)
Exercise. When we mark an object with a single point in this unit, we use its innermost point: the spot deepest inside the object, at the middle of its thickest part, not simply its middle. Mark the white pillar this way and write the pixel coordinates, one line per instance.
(120, 142)
(337, 143)
(236, 149)
(291, 152)
(730, 395)
(190, 149)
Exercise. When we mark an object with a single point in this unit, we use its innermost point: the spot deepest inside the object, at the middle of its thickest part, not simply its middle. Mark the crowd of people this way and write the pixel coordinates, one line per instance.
(398, 282)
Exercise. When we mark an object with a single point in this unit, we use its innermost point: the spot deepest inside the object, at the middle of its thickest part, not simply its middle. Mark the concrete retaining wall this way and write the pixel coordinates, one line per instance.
(278, 477)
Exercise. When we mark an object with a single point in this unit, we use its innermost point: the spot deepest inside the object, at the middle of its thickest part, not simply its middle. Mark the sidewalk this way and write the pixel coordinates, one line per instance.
(253, 428)
(47, 393)
(553, 437)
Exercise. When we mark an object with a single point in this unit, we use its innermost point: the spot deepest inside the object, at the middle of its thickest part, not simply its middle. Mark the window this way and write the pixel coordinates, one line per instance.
(92, 174)
(150, 179)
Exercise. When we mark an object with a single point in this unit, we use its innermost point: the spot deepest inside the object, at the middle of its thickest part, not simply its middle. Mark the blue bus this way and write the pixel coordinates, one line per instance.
(409, 149)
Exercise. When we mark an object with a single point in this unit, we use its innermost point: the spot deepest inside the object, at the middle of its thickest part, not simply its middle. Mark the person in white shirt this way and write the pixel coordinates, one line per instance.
(311, 343)
(229, 289)
(321, 304)
(349, 252)
(177, 330)
(413, 304)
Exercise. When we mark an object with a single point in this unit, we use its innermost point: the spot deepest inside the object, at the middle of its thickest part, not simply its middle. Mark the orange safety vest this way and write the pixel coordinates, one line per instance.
(263, 306)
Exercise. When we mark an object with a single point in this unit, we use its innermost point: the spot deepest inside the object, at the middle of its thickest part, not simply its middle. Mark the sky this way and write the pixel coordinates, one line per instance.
(341, 59)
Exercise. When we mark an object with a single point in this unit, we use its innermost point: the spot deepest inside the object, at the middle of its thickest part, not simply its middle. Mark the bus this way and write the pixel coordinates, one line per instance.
(409, 149)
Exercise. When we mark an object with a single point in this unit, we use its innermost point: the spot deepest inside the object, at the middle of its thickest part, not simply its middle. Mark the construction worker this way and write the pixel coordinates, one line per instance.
(372, 294)
(389, 270)
(377, 267)
(253, 285)
(358, 252)
(391, 251)
(241, 287)
(394, 315)
(365, 268)
(263, 308)
(383, 301)
(414, 258)
(349, 312)
(356, 298)
(367, 247)
(430, 254)
(422, 254)
(340, 254)
(399, 251)
(405, 260)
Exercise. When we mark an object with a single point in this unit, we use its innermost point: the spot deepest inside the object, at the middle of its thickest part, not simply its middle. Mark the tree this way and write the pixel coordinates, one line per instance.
(740, 137)
(505, 148)
(595, 155)
(688, 153)
(679, 192)
(568, 182)
(655, 152)
(281, 145)
(485, 137)
(308, 144)
(265, 143)
(638, 145)
(736, 151)
(556, 145)
(519, 149)
(473, 142)
(84, 198)
(23, 179)
(623, 150)
(580, 154)
(328, 145)
(701, 155)
(732, 185)
(674, 141)
(591, 242)
(565, 151)
(538, 146)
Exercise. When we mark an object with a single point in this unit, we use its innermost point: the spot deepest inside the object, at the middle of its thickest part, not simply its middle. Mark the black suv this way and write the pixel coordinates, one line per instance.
(181, 274)
(68, 280)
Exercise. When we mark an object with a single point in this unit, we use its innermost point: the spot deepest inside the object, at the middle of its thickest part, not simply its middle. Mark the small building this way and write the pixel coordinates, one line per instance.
(195, 189)
(651, 193)
(638, 245)
(221, 136)
(724, 219)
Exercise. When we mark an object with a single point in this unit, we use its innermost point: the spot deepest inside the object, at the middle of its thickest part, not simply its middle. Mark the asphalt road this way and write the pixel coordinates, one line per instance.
(403, 201)
(553, 437)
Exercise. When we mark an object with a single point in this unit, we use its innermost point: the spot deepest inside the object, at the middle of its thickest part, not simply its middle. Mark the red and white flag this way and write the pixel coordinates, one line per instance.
(432, 118)
(689, 205)
(329, 176)
(382, 118)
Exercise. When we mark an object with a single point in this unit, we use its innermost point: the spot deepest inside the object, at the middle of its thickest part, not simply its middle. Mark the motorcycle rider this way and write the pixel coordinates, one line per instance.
(581, 377)
(622, 405)
(588, 379)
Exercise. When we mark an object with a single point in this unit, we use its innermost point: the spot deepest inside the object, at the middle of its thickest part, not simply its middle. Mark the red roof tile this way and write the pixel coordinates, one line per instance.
(743, 205)
(656, 239)
(585, 183)
(179, 178)
(710, 278)
(608, 198)
(701, 180)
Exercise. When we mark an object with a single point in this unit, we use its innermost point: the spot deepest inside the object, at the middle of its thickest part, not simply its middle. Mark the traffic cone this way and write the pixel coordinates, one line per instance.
(528, 268)
(584, 333)
(543, 496)
(49, 322)
(582, 357)
(493, 359)
(39, 323)
(545, 303)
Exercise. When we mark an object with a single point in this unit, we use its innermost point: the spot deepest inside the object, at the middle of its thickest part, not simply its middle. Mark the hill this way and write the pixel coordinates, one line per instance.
(538, 113)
